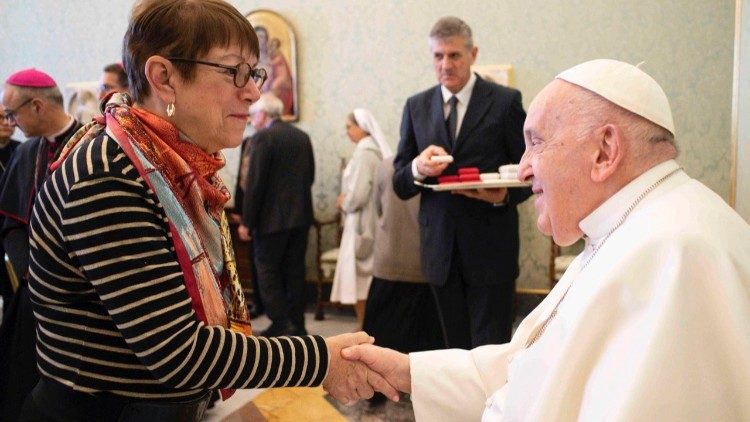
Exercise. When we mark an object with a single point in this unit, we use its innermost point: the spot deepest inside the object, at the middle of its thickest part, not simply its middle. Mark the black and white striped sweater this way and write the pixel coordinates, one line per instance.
(113, 312)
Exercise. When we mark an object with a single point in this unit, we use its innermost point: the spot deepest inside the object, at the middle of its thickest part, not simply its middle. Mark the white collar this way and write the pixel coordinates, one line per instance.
(603, 218)
(464, 95)
(71, 122)
(368, 142)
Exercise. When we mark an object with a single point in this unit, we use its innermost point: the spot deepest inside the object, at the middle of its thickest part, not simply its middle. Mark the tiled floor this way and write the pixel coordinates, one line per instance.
(388, 411)
(339, 321)
(336, 322)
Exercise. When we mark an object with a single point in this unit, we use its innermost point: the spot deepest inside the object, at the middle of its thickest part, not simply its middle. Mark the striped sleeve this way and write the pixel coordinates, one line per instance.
(114, 234)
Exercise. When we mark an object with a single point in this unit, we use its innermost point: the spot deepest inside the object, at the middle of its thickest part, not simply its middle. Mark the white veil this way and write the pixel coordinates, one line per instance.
(367, 122)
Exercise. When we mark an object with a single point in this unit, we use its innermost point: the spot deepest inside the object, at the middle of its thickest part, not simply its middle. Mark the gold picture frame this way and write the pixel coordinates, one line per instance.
(501, 74)
(278, 55)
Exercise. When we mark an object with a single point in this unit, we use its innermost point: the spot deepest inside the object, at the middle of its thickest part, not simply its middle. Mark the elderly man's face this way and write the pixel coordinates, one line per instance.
(557, 163)
(452, 61)
(258, 119)
(108, 83)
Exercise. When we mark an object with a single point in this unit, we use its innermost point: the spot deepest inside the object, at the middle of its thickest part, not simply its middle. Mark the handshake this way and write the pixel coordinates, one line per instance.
(357, 369)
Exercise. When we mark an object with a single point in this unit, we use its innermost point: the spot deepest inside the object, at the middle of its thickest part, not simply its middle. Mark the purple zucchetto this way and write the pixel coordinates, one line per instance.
(31, 78)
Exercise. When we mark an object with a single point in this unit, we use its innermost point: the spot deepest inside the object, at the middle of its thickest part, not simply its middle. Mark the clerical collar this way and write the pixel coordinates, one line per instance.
(66, 128)
(602, 219)
(464, 95)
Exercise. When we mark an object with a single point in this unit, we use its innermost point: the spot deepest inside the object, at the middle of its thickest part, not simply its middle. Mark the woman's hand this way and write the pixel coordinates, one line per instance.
(340, 202)
(349, 380)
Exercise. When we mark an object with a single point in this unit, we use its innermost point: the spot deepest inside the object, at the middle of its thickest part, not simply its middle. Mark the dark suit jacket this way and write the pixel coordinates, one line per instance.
(278, 188)
(491, 135)
(18, 187)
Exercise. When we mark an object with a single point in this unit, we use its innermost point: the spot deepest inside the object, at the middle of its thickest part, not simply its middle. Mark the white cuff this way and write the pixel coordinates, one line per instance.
(502, 203)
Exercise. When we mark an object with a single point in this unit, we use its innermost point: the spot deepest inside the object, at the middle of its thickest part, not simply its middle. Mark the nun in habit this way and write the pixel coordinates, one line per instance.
(353, 275)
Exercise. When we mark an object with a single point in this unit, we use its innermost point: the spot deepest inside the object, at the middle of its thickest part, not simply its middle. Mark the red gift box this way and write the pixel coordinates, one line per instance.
(448, 179)
(468, 170)
(471, 177)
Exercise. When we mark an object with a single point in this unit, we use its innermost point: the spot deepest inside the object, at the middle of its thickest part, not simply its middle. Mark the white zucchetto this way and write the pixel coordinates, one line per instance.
(625, 85)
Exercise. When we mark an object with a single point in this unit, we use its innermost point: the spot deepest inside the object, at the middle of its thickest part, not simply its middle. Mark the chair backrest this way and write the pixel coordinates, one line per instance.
(327, 257)
(14, 283)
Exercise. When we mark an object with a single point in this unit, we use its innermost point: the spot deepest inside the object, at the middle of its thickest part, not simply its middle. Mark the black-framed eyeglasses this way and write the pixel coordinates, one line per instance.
(241, 73)
(10, 115)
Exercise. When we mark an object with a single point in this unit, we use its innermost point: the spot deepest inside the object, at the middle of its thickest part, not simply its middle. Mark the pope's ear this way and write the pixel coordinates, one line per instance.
(609, 152)
(159, 72)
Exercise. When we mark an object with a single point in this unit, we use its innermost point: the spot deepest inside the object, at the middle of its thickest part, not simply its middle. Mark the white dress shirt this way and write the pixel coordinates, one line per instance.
(464, 96)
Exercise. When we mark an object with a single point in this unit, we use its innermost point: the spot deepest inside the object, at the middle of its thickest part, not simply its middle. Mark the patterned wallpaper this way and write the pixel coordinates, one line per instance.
(359, 53)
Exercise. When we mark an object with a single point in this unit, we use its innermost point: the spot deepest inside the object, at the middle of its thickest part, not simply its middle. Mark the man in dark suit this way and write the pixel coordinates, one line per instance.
(277, 213)
(255, 304)
(7, 146)
(469, 241)
(32, 101)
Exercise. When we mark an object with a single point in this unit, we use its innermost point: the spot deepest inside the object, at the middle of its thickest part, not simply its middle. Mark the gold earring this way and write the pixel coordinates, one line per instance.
(170, 109)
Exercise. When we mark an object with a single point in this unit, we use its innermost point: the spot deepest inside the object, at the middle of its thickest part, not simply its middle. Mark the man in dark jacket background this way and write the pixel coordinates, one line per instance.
(277, 213)
(469, 242)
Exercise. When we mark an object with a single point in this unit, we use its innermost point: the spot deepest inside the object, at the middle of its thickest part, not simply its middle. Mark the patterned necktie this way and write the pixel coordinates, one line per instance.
(452, 118)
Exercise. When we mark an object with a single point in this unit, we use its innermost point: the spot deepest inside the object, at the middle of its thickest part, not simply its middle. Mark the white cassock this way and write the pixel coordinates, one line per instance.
(656, 327)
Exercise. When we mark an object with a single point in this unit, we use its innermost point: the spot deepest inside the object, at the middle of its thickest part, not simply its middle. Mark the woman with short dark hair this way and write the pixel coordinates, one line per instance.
(140, 312)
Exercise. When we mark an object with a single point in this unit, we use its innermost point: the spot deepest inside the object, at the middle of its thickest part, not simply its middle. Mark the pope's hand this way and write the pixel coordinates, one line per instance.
(348, 381)
(393, 366)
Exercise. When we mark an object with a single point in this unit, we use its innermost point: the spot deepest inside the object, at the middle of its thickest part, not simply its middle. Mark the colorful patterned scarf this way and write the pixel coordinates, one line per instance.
(186, 184)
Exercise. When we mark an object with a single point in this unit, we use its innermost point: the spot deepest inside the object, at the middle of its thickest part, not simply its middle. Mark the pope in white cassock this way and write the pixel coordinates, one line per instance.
(651, 321)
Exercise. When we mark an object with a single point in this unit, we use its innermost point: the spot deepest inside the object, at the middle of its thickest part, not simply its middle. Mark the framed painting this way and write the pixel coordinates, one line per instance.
(278, 55)
(500, 74)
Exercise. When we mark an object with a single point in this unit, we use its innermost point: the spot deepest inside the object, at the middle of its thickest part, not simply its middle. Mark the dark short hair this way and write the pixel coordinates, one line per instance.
(51, 94)
(180, 28)
(117, 69)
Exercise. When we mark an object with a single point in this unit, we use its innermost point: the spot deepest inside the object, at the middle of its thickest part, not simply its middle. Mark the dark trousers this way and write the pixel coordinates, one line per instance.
(18, 370)
(401, 316)
(474, 315)
(256, 300)
(6, 289)
(280, 262)
(51, 401)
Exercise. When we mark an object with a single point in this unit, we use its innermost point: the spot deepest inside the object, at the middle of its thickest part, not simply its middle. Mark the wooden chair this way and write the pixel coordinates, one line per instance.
(558, 263)
(241, 257)
(14, 283)
(325, 260)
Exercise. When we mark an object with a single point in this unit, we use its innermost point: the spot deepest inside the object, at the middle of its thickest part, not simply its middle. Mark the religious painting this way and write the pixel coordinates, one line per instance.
(497, 73)
(279, 57)
(83, 100)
